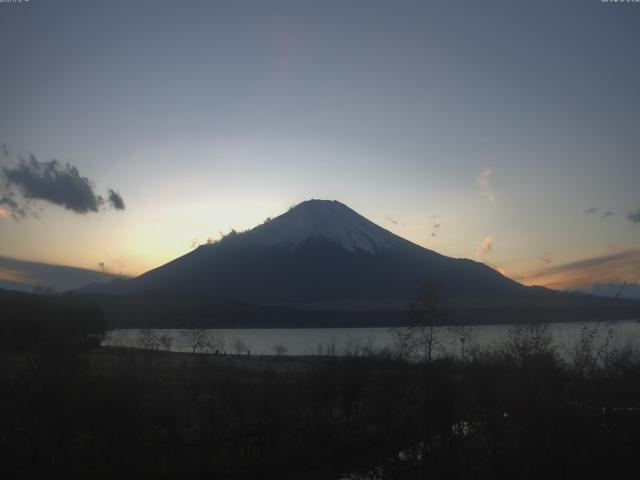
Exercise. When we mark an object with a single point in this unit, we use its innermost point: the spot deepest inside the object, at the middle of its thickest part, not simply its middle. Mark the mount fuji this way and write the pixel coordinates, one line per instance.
(317, 251)
(320, 260)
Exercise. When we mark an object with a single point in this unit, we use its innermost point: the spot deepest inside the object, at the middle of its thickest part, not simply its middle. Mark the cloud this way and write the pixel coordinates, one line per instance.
(485, 186)
(595, 210)
(115, 199)
(483, 252)
(15, 210)
(55, 183)
(24, 275)
(391, 219)
(544, 260)
(610, 268)
(634, 217)
(486, 248)
(51, 182)
(4, 213)
(5, 150)
(483, 178)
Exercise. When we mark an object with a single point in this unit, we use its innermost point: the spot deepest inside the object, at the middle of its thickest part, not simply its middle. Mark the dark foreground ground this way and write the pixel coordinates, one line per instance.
(516, 412)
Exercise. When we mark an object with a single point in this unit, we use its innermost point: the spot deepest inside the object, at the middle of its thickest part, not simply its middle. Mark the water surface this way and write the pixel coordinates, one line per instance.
(338, 341)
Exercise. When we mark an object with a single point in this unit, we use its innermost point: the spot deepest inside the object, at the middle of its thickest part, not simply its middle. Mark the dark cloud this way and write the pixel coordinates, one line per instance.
(115, 199)
(608, 213)
(634, 217)
(591, 211)
(392, 220)
(5, 150)
(52, 182)
(434, 229)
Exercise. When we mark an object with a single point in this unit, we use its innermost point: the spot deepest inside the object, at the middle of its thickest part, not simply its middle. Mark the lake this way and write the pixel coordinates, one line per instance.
(338, 341)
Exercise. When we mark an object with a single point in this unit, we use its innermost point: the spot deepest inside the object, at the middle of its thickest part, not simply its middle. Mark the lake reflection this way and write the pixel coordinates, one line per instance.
(338, 341)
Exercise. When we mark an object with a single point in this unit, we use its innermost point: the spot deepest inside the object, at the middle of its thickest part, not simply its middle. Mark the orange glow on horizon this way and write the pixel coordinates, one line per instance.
(616, 268)
(16, 276)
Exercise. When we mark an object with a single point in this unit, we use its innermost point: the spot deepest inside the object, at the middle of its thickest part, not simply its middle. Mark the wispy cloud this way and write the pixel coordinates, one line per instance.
(544, 259)
(484, 251)
(596, 211)
(485, 248)
(484, 182)
(634, 217)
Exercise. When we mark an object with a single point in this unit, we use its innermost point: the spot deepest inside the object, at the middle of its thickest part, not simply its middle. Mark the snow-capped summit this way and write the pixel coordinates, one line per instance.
(328, 219)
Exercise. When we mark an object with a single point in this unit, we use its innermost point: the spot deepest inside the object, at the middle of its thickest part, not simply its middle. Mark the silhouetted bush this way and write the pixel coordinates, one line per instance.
(516, 411)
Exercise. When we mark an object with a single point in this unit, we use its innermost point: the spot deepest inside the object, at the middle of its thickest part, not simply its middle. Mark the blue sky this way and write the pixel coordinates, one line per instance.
(503, 122)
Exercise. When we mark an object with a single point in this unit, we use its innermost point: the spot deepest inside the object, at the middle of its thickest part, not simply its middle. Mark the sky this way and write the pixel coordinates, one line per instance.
(502, 131)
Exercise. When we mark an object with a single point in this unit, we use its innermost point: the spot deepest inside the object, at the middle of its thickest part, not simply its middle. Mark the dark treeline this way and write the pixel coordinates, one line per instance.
(46, 322)
(517, 411)
(164, 309)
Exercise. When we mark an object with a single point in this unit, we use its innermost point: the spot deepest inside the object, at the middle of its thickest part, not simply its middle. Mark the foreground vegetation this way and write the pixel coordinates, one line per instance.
(518, 410)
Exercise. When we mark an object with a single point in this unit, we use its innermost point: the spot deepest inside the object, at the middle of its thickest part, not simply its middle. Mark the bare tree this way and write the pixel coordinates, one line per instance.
(280, 349)
(463, 335)
(148, 339)
(43, 290)
(426, 314)
(527, 340)
(239, 346)
(166, 341)
(196, 339)
(404, 342)
(216, 342)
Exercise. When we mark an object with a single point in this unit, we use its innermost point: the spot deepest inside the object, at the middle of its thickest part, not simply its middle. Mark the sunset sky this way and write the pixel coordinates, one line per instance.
(503, 131)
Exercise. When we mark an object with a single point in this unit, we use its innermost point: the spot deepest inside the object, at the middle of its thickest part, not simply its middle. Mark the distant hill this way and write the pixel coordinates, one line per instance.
(615, 290)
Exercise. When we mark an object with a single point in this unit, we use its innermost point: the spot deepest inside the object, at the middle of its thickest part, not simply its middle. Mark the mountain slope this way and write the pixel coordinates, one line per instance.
(318, 250)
